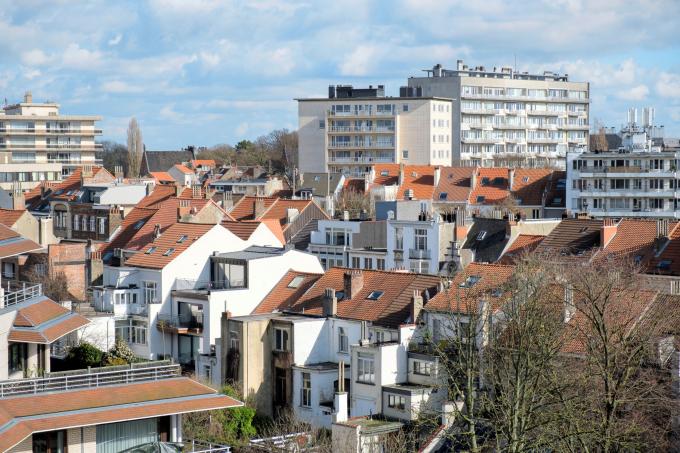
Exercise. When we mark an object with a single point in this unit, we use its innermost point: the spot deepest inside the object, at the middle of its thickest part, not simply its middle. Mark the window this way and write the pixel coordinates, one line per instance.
(404, 107)
(420, 239)
(18, 355)
(481, 198)
(322, 124)
(404, 154)
(182, 238)
(356, 262)
(139, 224)
(102, 225)
(7, 270)
(150, 293)
(50, 442)
(234, 342)
(280, 339)
(374, 295)
(93, 221)
(343, 340)
(169, 251)
(470, 281)
(422, 368)
(306, 391)
(399, 238)
(76, 222)
(396, 402)
(296, 281)
(365, 368)
(380, 264)
(443, 195)
(150, 250)
(368, 263)
(84, 223)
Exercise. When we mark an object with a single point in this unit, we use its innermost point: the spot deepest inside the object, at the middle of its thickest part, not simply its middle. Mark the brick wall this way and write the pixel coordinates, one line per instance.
(71, 259)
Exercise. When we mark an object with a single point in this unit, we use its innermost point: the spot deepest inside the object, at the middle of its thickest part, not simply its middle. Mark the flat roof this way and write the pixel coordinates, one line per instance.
(253, 252)
(386, 98)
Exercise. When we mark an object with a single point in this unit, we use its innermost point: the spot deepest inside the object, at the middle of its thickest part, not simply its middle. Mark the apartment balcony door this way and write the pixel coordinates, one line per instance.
(280, 387)
(187, 346)
(50, 442)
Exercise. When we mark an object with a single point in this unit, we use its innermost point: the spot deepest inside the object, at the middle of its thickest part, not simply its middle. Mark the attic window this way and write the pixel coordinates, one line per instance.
(664, 265)
(340, 295)
(296, 282)
(485, 181)
(498, 181)
(169, 251)
(182, 238)
(583, 230)
(138, 225)
(375, 295)
(150, 250)
(384, 173)
(470, 281)
(480, 198)
(481, 235)
(525, 179)
(443, 196)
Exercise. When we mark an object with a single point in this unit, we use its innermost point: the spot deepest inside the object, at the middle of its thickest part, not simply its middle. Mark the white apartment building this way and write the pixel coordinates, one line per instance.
(640, 179)
(503, 115)
(37, 143)
(355, 128)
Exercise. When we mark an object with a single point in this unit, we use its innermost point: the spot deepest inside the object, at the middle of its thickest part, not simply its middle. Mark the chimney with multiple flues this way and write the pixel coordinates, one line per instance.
(330, 302)
(259, 207)
(353, 281)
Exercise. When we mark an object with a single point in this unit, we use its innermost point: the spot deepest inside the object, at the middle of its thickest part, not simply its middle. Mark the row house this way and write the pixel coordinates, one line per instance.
(350, 243)
(330, 345)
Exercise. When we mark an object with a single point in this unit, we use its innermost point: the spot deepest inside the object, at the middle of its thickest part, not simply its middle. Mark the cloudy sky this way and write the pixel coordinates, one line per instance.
(204, 72)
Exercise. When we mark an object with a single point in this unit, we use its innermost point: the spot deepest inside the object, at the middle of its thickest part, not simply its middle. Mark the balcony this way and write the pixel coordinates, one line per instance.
(181, 324)
(16, 292)
(186, 284)
(418, 254)
(360, 160)
(360, 129)
(362, 145)
(363, 113)
(91, 378)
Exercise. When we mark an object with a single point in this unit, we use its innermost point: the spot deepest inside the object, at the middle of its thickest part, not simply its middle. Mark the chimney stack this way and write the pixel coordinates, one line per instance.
(511, 179)
(195, 191)
(156, 231)
(416, 305)
(183, 210)
(259, 207)
(473, 178)
(607, 232)
(437, 175)
(118, 172)
(18, 199)
(401, 174)
(330, 302)
(340, 399)
(28, 98)
(178, 189)
(353, 282)
(227, 200)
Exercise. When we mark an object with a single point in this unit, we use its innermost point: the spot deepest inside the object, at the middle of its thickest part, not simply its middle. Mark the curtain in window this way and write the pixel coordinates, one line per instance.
(116, 437)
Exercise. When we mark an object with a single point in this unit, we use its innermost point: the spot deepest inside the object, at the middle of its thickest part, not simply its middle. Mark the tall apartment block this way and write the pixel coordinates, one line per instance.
(355, 128)
(506, 117)
(638, 179)
(37, 143)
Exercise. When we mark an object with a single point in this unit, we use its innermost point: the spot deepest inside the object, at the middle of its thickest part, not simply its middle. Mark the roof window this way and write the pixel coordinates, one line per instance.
(375, 295)
(443, 195)
(384, 173)
(296, 282)
(139, 224)
(525, 179)
(150, 251)
(470, 281)
(481, 235)
(481, 198)
(182, 238)
(169, 251)
(485, 181)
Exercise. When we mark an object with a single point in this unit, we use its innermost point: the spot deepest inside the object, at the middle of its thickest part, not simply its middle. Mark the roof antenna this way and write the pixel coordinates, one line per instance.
(515, 71)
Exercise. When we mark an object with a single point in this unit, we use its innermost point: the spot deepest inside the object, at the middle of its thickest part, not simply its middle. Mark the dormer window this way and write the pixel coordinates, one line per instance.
(485, 181)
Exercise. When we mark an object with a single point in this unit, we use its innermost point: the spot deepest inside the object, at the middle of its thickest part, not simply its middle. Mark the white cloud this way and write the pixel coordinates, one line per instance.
(361, 61)
(636, 93)
(210, 59)
(117, 86)
(32, 74)
(35, 57)
(668, 85)
(242, 129)
(76, 57)
(115, 40)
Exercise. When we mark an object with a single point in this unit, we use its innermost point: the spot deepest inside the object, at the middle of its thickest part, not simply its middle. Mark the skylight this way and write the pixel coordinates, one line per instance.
(317, 178)
(182, 238)
(138, 225)
(443, 195)
(481, 235)
(169, 251)
(480, 199)
(384, 173)
(296, 282)
(374, 295)
(470, 281)
(150, 250)
(485, 181)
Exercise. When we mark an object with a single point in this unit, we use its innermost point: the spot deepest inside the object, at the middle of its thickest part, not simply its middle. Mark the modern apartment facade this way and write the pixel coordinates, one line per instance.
(355, 128)
(640, 179)
(507, 116)
(37, 143)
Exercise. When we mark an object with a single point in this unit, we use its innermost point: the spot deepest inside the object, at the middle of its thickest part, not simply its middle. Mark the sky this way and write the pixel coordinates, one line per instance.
(204, 72)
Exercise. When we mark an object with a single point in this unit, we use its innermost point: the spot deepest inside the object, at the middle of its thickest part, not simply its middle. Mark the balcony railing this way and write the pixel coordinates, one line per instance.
(185, 284)
(418, 254)
(200, 446)
(361, 129)
(20, 293)
(93, 378)
(194, 322)
(361, 145)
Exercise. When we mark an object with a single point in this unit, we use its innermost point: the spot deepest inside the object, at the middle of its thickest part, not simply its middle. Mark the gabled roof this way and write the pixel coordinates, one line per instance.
(20, 416)
(159, 193)
(321, 184)
(12, 243)
(477, 281)
(529, 185)
(70, 188)
(491, 186)
(454, 185)
(523, 243)
(668, 261)
(202, 163)
(572, 236)
(162, 177)
(245, 228)
(182, 168)
(9, 217)
(391, 309)
(286, 292)
(244, 209)
(178, 237)
(273, 209)
(418, 178)
(43, 322)
(163, 160)
(132, 223)
(635, 238)
(279, 210)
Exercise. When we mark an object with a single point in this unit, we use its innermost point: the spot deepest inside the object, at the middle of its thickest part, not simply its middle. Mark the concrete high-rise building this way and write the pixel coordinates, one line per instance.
(505, 117)
(37, 143)
(639, 179)
(355, 128)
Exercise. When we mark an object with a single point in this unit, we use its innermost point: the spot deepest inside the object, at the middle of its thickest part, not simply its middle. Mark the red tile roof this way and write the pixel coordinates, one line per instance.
(668, 261)
(183, 169)
(242, 229)
(523, 243)
(21, 416)
(12, 243)
(283, 295)
(202, 162)
(279, 210)
(67, 189)
(244, 209)
(9, 217)
(492, 185)
(156, 254)
(529, 185)
(418, 178)
(469, 286)
(162, 177)
(391, 309)
(159, 193)
(132, 223)
(44, 322)
(634, 237)
(455, 182)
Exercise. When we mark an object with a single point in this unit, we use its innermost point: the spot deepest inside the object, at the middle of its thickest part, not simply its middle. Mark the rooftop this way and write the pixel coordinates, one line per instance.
(253, 252)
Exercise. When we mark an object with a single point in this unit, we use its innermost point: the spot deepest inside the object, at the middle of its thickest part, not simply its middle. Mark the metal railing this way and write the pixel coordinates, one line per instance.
(92, 378)
(187, 284)
(418, 254)
(21, 294)
(188, 322)
(201, 446)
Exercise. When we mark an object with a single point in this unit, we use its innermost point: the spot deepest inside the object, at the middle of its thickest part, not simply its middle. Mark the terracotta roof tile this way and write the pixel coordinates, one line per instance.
(419, 178)
(530, 184)
(634, 237)
(468, 287)
(9, 217)
(279, 210)
(491, 186)
(183, 169)
(67, 189)
(455, 183)
(668, 261)
(202, 162)
(44, 322)
(159, 193)
(573, 236)
(39, 313)
(244, 209)
(523, 243)
(283, 295)
(173, 241)
(12, 243)
(391, 309)
(241, 229)
(132, 223)
(162, 177)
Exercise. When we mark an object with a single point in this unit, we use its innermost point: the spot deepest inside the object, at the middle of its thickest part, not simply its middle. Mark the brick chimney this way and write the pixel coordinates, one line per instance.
(462, 228)
(259, 207)
(195, 191)
(607, 232)
(118, 172)
(662, 232)
(330, 302)
(183, 210)
(416, 305)
(85, 173)
(353, 281)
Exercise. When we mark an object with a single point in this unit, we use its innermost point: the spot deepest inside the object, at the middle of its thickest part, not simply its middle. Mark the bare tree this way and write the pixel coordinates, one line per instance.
(135, 146)
(356, 203)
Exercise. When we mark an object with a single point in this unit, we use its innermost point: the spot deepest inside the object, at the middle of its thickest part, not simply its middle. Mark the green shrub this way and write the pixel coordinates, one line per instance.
(85, 355)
